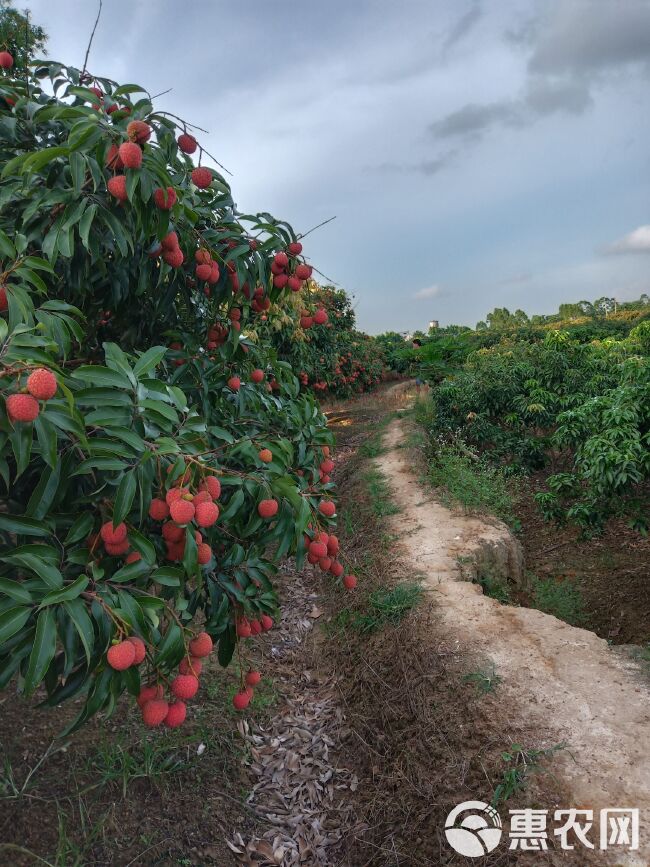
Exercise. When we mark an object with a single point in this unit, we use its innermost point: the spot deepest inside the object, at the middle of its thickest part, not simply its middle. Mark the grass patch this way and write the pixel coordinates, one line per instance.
(560, 598)
(384, 608)
(380, 495)
(496, 588)
(520, 764)
(485, 680)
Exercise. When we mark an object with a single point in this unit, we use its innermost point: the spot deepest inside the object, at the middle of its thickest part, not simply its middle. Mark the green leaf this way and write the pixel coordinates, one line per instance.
(124, 497)
(47, 572)
(170, 576)
(15, 590)
(23, 526)
(102, 376)
(77, 613)
(80, 529)
(65, 594)
(43, 650)
(11, 621)
(149, 360)
(171, 647)
(43, 494)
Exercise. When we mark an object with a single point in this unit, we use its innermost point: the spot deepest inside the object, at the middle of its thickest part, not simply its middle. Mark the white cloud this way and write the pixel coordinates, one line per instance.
(429, 292)
(637, 241)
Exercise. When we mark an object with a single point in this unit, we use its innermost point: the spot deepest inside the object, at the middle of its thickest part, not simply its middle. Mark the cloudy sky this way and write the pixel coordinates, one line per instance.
(476, 154)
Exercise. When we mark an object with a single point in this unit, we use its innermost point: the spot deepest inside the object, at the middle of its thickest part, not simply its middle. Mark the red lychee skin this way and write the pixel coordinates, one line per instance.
(174, 494)
(325, 563)
(332, 546)
(320, 317)
(253, 678)
(117, 187)
(257, 375)
(158, 509)
(117, 549)
(42, 384)
(318, 549)
(214, 276)
(203, 272)
(336, 569)
(175, 715)
(281, 259)
(204, 554)
(165, 199)
(6, 60)
(170, 241)
(184, 686)
(206, 514)
(266, 456)
(241, 700)
(202, 257)
(149, 693)
(280, 281)
(349, 582)
(276, 269)
(140, 648)
(327, 466)
(190, 665)
(172, 533)
(212, 485)
(121, 656)
(187, 143)
(201, 646)
(294, 284)
(22, 407)
(267, 622)
(175, 552)
(306, 321)
(243, 628)
(133, 557)
(201, 497)
(174, 258)
(138, 131)
(182, 511)
(267, 508)
(4, 304)
(130, 154)
(154, 712)
(327, 508)
(313, 559)
(201, 177)
(234, 383)
(111, 534)
(256, 627)
(303, 272)
(295, 248)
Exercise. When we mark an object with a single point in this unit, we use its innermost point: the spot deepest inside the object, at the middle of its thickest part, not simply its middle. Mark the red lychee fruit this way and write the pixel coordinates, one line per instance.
(295, 248)
(6, 60)
(206, 514)
(280, 281)
(187, 143)
(140, 648)
(117, 187)
(130, 154)
(267, 508)
(203, 272)
(241, 700)
(190, 665)
(266, 456)
(201, 497)
(327, 466)
(184, 686)
(170, 241)
(201, 177)
(253, 678)
(320, 316)
(212, 485)
(332, 546)
(175, 715)
(234, 383)
(22, 407)
(214, 276)
(138, 131)
(306, 321)
(172, 533)
(327, 508)
(257, 375)
(165, 199)
(133, 557)
(281, 259)
(121, 656)
(4, 304)
(174, 258)
(202, 257)
(349, 582)
(158, 509)
(174, 494)
(117, 549)
(267, 622)
(204, 554)
(154, 712)
(336, 569)
(318, 549)
(325, 563)
(111, 534)
(256, 627)
(294, 284)
(42, 384)
(243, 628)
(201, 646)
(303, 272)
(149, 693)
(182, 511)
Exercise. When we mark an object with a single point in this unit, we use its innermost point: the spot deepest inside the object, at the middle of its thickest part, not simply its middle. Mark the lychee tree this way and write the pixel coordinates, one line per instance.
(158, 459)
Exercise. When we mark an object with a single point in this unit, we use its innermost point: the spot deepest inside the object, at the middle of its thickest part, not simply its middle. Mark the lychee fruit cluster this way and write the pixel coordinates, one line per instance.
(41, 385)
(285, 270)
(207, 269)
(242, 699)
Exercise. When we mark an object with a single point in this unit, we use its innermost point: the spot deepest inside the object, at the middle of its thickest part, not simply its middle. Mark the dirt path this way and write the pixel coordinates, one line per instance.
(563, 681)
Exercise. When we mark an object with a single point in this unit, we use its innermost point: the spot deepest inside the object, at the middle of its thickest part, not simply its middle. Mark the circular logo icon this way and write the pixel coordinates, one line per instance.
(476, 833)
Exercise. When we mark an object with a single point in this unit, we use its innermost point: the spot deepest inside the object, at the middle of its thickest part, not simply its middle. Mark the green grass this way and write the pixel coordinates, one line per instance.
(560, 598)
(485, 680)
(496, 588)
(385, 607)
(520, 764)
(381, 503)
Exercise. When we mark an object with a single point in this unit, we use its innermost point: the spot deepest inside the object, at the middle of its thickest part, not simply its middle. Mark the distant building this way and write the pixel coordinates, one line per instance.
(433, 324)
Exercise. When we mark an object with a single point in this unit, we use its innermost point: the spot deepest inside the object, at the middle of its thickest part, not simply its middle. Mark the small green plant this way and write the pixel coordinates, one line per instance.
(561, 598)
(520, 764)
(485, 681)
(385, 608)
(380, 494)
(496, 588)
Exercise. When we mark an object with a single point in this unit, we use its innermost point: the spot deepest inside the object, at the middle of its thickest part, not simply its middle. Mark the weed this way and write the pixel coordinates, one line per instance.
(520, 764)
(496, 588)
(381, 502)
(485, 681)
(561, 598)
(385, 607)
